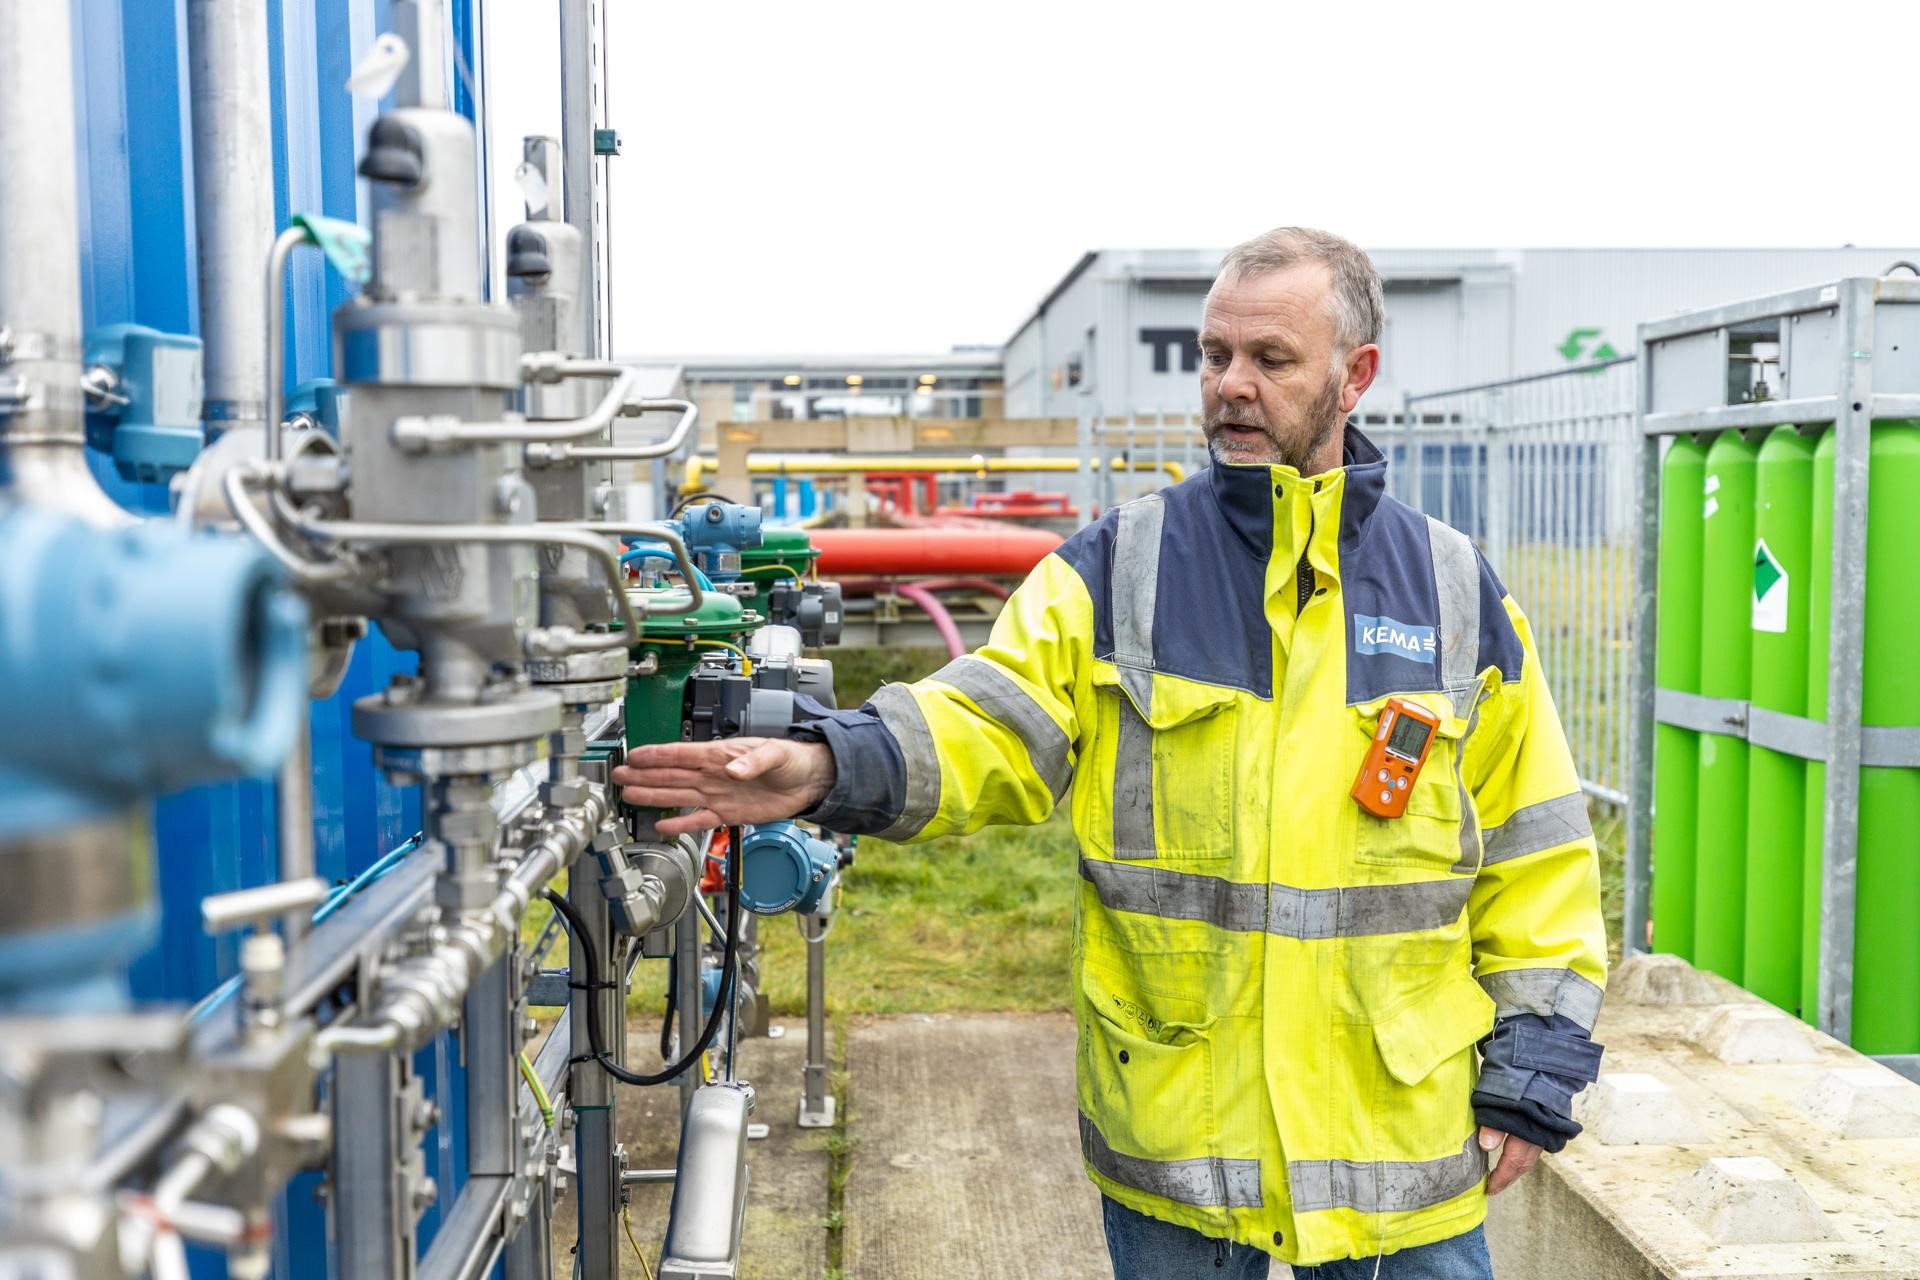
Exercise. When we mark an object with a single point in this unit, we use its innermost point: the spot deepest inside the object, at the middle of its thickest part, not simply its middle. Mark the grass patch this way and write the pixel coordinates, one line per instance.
(980, 922)
(858, 671)
(840, 1148)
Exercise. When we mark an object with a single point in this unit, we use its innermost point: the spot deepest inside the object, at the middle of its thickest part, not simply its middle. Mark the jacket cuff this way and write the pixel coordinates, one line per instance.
(870, 773)
(1527, 1121)
(1531, 1067)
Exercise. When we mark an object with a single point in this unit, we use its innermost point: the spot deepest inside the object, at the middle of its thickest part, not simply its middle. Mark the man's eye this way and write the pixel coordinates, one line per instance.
(1214, 359)
(1272, 362)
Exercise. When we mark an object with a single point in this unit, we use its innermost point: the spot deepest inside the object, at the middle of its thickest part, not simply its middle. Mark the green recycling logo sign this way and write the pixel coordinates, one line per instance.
(1579, 346)
(1770, 587)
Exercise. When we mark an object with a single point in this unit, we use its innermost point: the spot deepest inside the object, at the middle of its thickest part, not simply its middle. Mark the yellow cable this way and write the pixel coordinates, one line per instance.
(746, 663)
(626, 1220)
(791, 571)
(539, 1093)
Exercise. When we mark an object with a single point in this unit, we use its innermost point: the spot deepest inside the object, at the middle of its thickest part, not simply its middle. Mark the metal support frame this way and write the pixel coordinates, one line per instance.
(816, 1094)
(1837, 358)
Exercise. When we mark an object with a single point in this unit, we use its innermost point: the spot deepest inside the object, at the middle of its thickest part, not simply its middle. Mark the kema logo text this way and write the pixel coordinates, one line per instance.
(1389, 635)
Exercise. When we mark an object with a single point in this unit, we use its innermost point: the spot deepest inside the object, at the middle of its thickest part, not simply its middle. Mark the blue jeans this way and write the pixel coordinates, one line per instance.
(1146, 1248)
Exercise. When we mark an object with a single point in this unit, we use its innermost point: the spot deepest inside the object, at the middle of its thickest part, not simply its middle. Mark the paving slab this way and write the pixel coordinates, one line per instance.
(967, 1155)
(785, 1234)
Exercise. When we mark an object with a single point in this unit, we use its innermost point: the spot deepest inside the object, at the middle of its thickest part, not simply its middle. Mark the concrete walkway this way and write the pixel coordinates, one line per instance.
(967, 1155)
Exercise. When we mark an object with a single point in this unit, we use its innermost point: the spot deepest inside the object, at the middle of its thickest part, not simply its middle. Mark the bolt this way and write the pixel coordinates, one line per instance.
(427, 1115)
(425, 1194)
(530, 1027)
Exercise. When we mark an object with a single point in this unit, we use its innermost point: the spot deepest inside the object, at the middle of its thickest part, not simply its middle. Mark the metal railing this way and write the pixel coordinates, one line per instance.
(1539, 470)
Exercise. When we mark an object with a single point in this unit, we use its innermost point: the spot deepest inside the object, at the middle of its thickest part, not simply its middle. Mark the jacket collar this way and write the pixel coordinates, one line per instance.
(1244, 492)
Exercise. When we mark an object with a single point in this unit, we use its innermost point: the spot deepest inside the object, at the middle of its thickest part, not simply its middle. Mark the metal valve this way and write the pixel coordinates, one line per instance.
(263, 954)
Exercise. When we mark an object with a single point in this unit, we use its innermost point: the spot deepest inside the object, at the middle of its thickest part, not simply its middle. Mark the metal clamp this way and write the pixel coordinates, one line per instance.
(1702, 714)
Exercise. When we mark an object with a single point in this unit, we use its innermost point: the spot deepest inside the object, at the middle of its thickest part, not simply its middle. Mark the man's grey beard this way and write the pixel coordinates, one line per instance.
(1323, 420)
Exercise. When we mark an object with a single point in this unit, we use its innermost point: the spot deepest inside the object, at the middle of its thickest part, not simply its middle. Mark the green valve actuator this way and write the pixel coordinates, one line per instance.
(1886, 951)
(1676, 751)
(1726, 652)
(1776, 792)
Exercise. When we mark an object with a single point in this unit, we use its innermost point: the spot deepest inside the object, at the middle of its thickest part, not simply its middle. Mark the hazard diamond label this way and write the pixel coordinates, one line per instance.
(1770, 587)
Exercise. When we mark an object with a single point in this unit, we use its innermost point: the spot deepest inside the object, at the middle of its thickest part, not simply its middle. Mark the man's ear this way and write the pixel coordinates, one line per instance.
(1362, 367)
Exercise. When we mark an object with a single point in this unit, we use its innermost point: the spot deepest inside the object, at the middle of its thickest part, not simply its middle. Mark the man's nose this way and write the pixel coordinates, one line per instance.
(1237, 382)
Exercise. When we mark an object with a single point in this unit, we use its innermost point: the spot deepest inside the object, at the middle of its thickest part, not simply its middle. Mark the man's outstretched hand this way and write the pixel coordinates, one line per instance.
(733, 781)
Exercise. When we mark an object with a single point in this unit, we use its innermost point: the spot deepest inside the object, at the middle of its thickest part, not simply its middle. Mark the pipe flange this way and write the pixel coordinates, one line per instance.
(429, 344)
(516, 719)
(493, 761)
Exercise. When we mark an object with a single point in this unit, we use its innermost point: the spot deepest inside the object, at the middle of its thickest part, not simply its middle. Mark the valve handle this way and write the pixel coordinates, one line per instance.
(263, 905)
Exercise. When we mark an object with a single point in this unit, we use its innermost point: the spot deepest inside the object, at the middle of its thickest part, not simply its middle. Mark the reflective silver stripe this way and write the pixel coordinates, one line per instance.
(996, 694)
(908, 725)
(1207, 1180)
(1384, 1186)
(1535, 827)
(1469, 818)
(1545, 992)
(1357, 911)
(1133, 786)
(1456, 578)
(1135, 586)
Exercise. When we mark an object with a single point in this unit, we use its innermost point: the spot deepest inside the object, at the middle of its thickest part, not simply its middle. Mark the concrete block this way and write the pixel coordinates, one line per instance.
(1753, 1033)
(1631, 1108)
(1863, 1102)
(1750, 1200)
(1661, 979)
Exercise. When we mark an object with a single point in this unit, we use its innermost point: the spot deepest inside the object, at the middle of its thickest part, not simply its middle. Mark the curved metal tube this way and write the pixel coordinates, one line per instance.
(546, 640)
(557, 366)
(283, 246)
(552, 455)
(668, 534)
(418, 434)
(254, 521)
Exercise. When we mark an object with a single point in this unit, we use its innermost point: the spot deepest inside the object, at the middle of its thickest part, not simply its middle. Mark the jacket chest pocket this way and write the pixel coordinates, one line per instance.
(1168, 783)
(1438, 831)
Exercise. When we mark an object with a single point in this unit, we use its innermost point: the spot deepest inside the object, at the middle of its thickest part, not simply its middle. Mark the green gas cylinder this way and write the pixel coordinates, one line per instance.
(656, 703)
(1676, 751)
(1819, 626)
(1726, 651)
(1776, 790)
(1886, 957)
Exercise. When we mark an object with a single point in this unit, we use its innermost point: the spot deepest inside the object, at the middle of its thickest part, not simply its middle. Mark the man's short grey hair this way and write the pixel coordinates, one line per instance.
(1359, 301)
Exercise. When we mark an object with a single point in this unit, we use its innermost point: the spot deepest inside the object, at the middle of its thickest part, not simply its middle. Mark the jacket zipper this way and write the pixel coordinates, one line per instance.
(1304, 571)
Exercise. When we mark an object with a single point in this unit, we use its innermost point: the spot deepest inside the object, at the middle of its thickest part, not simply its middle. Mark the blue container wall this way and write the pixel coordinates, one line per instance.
(138, 264)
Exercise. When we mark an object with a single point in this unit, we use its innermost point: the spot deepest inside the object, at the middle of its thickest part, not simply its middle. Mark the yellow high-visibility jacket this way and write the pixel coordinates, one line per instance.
(1278, 995)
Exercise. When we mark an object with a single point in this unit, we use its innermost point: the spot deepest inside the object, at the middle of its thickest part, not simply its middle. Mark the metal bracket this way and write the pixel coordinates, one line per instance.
(1881, 746)
(1702, 714)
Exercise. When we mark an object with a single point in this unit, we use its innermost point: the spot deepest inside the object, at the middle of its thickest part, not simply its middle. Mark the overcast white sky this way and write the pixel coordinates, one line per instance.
(886, 175)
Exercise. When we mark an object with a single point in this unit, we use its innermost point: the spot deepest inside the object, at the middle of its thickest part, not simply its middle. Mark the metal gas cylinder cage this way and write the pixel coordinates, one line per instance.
(1845, 357)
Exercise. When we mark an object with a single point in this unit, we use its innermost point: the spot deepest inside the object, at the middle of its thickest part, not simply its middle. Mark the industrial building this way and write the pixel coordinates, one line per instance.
(1115, 336)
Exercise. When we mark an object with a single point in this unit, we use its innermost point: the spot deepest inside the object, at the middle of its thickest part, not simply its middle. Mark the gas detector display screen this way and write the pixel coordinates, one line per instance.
(1408, 737)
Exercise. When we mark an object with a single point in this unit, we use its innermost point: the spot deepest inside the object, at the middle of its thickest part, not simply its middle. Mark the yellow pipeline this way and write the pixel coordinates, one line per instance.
(954, 464)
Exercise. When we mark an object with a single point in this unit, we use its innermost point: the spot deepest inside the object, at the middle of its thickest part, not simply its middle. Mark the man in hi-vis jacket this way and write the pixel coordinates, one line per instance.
(1338, 937)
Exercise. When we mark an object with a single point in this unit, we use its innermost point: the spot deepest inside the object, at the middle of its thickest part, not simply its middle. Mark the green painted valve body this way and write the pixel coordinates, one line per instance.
(656, 703)
(1776, 793)
(1726, 651)
(786, 547)
(1676, 751)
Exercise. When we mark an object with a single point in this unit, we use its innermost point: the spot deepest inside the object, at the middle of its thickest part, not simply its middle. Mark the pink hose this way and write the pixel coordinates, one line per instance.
(874, 586)
(942, 620)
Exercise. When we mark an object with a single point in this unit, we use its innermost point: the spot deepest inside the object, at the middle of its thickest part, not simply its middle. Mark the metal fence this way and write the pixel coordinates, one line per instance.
(1540, 472)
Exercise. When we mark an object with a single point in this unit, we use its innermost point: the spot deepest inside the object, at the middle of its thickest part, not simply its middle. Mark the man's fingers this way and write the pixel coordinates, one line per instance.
(659, 777)
(1516, 1157)
(690, 755)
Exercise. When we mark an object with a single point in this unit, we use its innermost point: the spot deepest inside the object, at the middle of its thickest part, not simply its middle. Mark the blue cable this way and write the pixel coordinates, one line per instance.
(385, 863)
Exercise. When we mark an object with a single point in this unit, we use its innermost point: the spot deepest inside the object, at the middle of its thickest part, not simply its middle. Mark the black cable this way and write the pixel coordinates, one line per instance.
(596, 1034)
(704, 495)
(673, 993)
